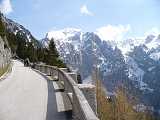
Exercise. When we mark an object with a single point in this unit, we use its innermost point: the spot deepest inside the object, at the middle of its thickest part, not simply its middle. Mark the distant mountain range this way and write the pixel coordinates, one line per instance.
(18, 30)
(21, 41)
(134, 63)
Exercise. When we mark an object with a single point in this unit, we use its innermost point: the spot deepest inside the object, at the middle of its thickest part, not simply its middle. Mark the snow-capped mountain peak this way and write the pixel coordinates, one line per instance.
(63, 34)
(133, 62)
(16, 28)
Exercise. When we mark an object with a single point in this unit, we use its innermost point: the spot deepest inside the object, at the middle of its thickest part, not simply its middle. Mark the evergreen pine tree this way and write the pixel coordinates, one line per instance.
(2, 27)
(52, 49)
(53, 56)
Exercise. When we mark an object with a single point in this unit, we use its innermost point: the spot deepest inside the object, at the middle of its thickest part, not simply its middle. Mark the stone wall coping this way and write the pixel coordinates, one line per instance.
(86, 86)
(82, 101)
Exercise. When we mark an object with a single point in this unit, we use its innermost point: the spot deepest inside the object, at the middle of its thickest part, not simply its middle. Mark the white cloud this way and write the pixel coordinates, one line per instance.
(111, 32)
(153, 31)
(84, 10)
(6, 7)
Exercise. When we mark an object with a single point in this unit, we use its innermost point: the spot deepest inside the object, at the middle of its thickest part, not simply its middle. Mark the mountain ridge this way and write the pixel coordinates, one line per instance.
(135, 64)
(131, 61)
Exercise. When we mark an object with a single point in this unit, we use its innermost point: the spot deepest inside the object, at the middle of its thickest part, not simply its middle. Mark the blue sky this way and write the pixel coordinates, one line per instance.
(119, 19)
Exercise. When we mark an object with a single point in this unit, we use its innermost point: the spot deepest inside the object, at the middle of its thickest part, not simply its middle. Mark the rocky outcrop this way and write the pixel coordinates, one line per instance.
(5, 52)
(133, 63)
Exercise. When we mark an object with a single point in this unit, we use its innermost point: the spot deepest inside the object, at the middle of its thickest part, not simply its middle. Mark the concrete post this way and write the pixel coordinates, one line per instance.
(64, 69)
(89, 92)
(74, 76)
(48, 71)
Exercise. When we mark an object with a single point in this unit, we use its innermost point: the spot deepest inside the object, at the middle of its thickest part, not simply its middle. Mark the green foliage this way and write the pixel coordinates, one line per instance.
(2, 27)
(51, 56)
(3, 70)
(32, 49)
(52, 49)
(12, 40)
(23, 49)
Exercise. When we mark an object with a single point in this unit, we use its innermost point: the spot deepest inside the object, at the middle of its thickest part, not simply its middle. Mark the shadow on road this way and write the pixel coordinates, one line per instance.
(52, 113)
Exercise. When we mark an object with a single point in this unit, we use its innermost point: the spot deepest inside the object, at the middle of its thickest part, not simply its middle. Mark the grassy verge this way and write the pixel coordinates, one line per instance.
(3, 70)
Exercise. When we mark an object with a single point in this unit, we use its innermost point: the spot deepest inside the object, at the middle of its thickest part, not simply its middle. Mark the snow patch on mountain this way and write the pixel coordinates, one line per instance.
(153, 44)
(63, 34)
(64, 37)
(136, 74)
(71, 42)
(16, 28)
(151, 68)
(155, 56)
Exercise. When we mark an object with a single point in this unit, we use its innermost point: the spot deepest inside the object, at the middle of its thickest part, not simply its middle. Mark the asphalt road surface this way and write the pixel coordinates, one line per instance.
(28, 95)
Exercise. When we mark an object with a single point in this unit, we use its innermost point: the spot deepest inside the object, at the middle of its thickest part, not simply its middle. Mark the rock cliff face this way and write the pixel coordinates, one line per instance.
(133, 63)
(5, 52)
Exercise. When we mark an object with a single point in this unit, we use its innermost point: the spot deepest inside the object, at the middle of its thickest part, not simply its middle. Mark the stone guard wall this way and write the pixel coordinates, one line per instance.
(82, 97)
